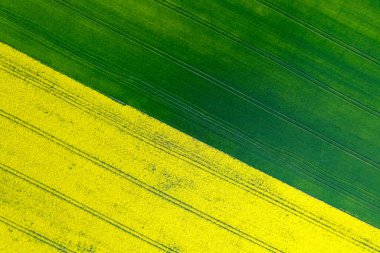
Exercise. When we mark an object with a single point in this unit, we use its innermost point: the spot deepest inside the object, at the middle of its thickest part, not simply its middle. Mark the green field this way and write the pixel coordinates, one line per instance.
(289, 87)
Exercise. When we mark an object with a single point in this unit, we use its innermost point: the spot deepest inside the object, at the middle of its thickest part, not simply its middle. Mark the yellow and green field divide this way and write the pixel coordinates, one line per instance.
(80, 172)
(189, 126)
(289, 87)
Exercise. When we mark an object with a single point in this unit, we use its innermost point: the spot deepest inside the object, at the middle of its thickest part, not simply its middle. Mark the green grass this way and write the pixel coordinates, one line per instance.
(289, 87)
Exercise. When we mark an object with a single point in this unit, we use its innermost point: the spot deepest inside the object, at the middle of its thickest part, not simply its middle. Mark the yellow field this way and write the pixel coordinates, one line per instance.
(81, 173)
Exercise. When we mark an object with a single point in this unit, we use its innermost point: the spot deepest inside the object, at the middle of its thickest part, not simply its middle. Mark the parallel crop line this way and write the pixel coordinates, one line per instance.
(320, 32)
(226, 87)
(203, 165)
(270, 56)
(84, 208)
(140, 183)
(34, 234)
